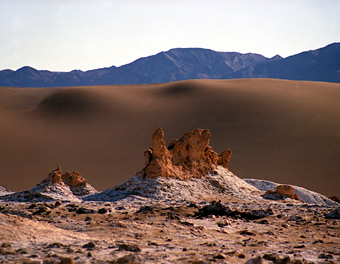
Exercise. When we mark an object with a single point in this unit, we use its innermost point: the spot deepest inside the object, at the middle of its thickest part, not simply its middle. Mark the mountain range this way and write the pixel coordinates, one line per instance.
(190, 63)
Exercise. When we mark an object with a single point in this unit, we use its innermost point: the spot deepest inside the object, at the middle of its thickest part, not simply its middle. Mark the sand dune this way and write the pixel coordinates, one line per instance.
(283, 131)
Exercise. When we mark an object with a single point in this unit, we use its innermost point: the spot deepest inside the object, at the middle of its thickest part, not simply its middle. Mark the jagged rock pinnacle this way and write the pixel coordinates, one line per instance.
(72, 179)
(184, 158)
(55, 176)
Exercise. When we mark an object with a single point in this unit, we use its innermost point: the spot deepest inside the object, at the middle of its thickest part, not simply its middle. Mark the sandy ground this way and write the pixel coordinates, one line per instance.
(115, 232)
(284, 131)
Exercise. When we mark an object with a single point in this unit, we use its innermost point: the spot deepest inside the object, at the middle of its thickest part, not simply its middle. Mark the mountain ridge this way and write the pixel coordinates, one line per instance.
(189, 63)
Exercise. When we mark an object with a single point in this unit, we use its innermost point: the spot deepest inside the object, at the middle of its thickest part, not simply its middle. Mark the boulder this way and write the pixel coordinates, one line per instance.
(282, 191)
(287, 190)
(334, 214)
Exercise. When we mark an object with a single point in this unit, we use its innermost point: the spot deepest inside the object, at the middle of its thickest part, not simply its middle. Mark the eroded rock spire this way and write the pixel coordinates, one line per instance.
(72, 179)
(184, 158)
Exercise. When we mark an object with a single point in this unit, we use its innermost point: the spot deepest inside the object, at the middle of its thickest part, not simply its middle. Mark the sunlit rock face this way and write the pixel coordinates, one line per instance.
(72, 179)
(184, 158)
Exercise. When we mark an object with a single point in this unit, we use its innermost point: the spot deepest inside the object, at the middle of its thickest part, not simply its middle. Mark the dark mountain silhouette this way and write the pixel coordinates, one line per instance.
(190, 63)
(173, 65)
(182, 64)
(315, 65)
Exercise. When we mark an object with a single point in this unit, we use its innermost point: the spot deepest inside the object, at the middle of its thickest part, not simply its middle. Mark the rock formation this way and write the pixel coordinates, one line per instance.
(282, 191)
(55, 176)
(184, 158)
(72, 179)
(70, 186)
(287, 190)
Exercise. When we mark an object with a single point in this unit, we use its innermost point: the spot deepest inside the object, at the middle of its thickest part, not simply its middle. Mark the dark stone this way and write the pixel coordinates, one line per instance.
(325, 256)
(300, 246)
(55, 245)
(102, 211)
(125, 247)
(41, 210)
(214, 208)
(6, 245)
(21, 251)
(218, 209)
(193, 205)
(153, 244)
(334, 214)
(84, 211)
(247, 233)
(264, 222)
(66, 260)
(271, 256)
(223, 223)
(33, 205)
(257, 260)
(219, 256)
(129, 259)
(257, 214)
(186, 223)
(285, 260)
(89, 245)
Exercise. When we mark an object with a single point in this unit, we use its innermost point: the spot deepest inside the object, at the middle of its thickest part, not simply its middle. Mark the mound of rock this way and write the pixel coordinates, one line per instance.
(77, 184)
(187, 170)
(69, 186)
(190, 170)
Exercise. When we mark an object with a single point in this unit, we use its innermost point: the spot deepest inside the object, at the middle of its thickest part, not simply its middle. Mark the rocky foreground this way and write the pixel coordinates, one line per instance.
(185, 206)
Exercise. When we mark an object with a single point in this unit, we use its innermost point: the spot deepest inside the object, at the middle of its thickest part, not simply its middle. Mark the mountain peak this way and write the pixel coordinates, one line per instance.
(190, 63)
(276, 58)
(26, 69)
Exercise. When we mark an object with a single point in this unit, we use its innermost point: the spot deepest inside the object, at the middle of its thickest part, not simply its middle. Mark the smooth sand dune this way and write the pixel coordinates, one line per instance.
(283, 131)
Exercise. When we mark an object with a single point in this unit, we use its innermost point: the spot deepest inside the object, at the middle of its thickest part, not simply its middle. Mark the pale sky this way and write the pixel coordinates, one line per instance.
(63, 35)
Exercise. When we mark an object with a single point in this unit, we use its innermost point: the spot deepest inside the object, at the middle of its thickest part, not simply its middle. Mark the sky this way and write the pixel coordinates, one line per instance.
(64, 35)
